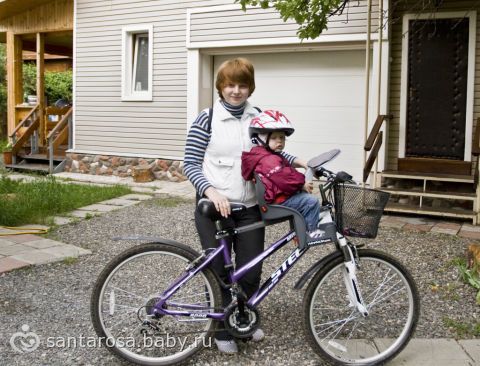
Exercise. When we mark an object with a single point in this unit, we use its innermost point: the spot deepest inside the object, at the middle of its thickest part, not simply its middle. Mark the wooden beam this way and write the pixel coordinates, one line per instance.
(14, 78)
(41, 84)
(38, 16)
(476, 139)
(51, 49)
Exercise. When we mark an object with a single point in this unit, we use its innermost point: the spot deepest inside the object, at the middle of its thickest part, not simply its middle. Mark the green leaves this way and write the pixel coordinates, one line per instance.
(469, 276)
(58, 85)
(310, 15)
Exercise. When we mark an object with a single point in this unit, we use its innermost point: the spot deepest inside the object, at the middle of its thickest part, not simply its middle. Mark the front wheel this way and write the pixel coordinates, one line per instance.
(128, 288)
(335, 328)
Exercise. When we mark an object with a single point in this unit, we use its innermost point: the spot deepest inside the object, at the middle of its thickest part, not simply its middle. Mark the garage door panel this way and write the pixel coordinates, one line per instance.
(322, 93)
(312, 91)
(331, 124)
(350, 157)
(329, 63)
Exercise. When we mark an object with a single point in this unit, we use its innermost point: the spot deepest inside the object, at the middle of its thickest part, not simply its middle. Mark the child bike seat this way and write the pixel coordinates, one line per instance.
(272, 214)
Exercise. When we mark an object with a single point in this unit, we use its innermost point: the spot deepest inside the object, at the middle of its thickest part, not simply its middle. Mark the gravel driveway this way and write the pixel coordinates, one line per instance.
(53, 300)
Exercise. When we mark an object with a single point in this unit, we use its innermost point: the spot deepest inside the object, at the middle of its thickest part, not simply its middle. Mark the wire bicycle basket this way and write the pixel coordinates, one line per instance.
(358, 210)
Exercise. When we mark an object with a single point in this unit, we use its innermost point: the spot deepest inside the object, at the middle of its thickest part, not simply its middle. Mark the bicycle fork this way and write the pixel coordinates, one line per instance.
(350, 276)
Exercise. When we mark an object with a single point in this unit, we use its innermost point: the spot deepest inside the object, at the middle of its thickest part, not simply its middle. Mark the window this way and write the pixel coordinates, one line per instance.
(137, 59)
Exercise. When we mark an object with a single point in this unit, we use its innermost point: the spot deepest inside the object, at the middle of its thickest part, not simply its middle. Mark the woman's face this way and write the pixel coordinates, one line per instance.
(235, 94)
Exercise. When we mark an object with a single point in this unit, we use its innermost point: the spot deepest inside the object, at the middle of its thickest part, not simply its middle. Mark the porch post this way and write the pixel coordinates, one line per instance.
(14, 78)
(41, 86)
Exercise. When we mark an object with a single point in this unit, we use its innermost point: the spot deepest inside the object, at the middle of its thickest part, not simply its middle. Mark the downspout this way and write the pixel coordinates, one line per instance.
(379, 85)
(367, 75)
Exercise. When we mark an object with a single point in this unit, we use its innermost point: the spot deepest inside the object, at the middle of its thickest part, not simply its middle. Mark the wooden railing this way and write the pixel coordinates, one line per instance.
(61, 134)
(373, 143)
(476, 151)
(27, 129)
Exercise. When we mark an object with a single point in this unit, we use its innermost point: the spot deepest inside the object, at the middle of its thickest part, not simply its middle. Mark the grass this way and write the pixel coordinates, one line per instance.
(169, 201)
(70, 260)
(470, 276)
(463, 330)
(36, 202)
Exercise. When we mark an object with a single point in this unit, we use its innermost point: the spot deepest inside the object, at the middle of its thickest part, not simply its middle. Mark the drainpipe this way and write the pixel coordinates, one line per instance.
(379, 84)
(367, 75)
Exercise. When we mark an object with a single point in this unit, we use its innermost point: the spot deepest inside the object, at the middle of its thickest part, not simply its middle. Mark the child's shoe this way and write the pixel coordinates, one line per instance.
(258, 335)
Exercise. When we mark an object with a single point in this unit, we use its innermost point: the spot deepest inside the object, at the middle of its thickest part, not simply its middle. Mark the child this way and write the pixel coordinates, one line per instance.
(284, 185)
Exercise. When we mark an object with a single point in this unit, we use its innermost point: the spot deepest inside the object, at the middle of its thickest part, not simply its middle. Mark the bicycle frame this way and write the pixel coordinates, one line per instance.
(234, 276)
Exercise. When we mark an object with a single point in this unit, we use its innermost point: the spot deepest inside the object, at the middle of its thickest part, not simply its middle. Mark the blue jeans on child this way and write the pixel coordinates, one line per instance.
(308, 205)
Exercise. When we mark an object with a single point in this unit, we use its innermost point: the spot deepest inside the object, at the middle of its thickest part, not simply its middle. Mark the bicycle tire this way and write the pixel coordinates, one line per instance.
(335, 329)
(127, 288)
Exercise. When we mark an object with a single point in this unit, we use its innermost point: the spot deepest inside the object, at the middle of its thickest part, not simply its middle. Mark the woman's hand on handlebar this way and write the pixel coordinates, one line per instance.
(219, 200)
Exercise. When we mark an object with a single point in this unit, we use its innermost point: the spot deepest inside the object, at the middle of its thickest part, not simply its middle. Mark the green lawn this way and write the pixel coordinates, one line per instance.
(36, 202)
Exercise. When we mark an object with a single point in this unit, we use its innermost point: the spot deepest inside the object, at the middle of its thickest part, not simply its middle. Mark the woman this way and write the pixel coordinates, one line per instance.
(213, 164)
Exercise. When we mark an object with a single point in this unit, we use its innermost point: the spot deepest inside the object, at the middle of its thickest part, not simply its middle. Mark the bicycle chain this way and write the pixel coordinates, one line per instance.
(193, 332)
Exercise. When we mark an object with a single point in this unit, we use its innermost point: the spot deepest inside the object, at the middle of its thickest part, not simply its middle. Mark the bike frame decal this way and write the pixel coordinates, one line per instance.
(186, 276)
(276, 277)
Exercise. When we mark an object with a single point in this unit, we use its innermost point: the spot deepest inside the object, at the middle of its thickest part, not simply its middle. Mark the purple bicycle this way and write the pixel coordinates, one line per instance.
(159, 303)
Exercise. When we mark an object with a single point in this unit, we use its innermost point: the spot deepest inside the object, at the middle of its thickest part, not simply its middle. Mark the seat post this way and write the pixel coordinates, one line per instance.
(218, 225)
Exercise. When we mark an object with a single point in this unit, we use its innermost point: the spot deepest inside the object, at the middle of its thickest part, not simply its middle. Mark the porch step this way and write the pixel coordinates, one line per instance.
(431, 194)
(444, 212)
(428, 176)
(434, 194)
(36, 163)
(40, 168)
(40, 157)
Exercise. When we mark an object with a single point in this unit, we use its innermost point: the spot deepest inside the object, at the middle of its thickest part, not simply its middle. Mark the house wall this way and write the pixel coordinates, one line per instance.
(218, 24)
(104, 124)
(396, 17)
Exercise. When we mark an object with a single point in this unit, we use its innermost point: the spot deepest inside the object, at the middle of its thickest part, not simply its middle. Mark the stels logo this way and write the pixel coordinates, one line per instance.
(285, 266)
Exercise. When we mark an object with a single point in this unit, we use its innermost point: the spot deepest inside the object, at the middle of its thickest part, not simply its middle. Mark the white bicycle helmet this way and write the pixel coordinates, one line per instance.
(267, 122)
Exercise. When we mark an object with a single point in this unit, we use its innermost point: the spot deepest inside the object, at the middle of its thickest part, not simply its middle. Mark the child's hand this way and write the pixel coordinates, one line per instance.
(308, 187)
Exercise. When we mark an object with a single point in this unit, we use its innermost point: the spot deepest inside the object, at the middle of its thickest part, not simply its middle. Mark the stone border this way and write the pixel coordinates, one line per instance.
(120, 166)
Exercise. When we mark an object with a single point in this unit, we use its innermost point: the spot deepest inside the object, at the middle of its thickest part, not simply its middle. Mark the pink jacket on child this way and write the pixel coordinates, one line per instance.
(280, 179)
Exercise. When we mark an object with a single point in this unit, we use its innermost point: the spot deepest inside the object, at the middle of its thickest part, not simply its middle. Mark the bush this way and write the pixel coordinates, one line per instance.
(58, 85)
(29, 79)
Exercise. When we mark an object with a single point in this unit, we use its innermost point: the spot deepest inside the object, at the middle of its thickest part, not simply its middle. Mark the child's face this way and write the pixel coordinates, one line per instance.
(277, 141)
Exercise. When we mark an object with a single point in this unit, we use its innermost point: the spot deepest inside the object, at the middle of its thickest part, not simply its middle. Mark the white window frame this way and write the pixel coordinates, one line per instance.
(128, 91)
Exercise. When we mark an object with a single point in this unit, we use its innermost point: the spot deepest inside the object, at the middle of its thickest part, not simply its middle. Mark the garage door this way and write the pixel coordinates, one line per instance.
(322, 93)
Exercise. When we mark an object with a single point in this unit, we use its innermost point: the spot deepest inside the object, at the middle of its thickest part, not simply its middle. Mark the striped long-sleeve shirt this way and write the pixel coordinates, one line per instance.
(197, 142)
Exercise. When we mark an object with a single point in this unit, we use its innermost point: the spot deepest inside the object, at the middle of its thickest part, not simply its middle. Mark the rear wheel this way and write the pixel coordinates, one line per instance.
(339, 333)
(128, 288)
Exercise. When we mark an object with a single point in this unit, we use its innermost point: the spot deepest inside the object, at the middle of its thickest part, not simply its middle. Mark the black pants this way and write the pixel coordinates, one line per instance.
(246, 246)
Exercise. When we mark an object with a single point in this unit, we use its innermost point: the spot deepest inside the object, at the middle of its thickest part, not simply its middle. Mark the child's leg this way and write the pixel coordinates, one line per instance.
(308, 205)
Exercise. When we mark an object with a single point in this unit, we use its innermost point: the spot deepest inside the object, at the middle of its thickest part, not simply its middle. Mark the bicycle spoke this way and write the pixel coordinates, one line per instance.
(339, 333)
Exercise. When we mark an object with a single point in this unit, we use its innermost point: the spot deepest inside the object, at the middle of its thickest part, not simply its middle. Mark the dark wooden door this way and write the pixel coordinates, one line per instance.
(437, 88)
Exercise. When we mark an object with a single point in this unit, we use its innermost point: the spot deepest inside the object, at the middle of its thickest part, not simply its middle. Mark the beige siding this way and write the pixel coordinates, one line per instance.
(396, 66)
(215, 25)
(105, 123)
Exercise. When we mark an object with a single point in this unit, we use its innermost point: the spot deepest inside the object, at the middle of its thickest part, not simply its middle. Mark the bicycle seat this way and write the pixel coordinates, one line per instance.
(272, 214)
(207, 209)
